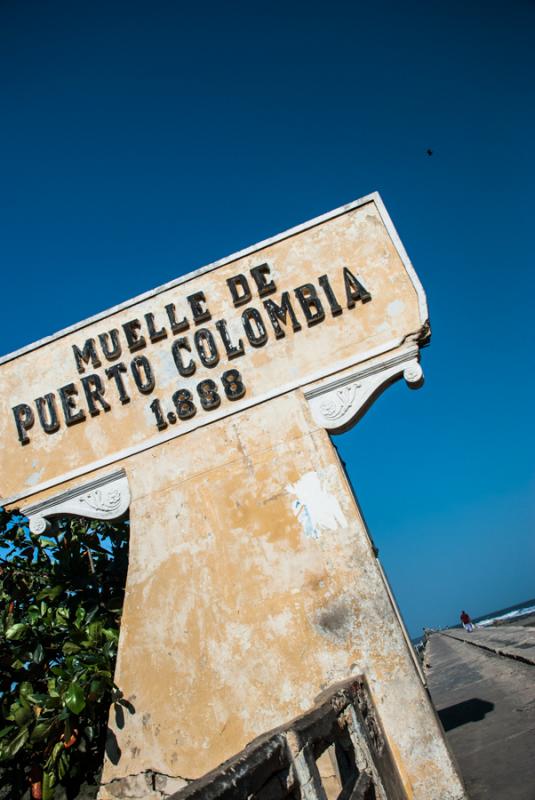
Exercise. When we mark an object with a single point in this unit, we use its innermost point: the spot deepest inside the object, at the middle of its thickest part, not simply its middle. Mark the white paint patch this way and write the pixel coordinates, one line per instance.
(303, 515)
(395, 308)
(314, 507)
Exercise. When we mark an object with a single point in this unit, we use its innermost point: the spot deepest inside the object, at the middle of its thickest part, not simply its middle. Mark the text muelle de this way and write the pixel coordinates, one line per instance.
(310, 301)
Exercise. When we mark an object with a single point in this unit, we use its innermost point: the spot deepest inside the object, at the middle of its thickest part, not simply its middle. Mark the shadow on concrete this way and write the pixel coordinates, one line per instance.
(473, 710)
(113, 751)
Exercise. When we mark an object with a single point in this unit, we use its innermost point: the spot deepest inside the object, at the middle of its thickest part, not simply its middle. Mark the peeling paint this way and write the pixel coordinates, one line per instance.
(314, 507)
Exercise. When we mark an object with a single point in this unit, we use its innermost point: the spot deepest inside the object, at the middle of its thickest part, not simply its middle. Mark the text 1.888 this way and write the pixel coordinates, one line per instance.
(209, 397)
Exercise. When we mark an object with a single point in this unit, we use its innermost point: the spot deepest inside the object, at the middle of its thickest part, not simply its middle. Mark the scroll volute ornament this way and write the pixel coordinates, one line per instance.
(106, 497)
(338, 404)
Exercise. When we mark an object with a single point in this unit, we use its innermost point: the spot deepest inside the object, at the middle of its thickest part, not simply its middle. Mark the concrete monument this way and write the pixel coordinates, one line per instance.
(205, 408)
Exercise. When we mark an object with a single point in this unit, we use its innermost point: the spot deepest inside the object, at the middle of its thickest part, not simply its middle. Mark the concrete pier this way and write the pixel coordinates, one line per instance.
(483, 687)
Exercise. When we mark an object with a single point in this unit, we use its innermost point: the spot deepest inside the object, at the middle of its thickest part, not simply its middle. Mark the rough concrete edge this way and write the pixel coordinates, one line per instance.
(147, 780)
(496, 650)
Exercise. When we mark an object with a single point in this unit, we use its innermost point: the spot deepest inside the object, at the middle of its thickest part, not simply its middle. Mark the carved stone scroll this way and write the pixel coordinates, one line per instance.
(338, 404)
(106, 497)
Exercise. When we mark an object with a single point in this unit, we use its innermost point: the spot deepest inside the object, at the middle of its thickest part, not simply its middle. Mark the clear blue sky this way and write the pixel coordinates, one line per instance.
(140, 140)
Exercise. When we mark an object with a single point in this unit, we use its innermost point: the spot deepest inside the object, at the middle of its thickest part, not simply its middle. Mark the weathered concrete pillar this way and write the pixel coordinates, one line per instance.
(252, 587)
(252, 583)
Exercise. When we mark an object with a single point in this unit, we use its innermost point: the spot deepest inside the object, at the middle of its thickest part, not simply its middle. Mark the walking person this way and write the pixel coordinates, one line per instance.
(468, 625)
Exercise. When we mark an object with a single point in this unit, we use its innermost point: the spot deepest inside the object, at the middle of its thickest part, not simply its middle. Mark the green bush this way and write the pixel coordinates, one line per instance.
(61, 596)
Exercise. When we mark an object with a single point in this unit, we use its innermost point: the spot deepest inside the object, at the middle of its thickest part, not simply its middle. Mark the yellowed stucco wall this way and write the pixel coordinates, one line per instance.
(252, 587)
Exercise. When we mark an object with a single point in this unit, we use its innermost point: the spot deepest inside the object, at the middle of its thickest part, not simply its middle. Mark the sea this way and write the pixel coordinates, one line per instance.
(520, 610)
(510, 613)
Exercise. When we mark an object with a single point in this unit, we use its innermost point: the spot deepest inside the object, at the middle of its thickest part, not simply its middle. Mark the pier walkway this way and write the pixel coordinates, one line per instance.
(483, 687)
(511, 641)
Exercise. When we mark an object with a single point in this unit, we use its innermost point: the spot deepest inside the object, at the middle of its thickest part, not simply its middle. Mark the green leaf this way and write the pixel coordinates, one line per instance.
(18, 742)
(69, 648)
(21, 714)
(98, 687)
(50, 592)
(16, 631)
(74, 698)
(91, 614)
(52, 702)
(56, 750)
(62, 614)
(89, 732)
(62, 764)
(39, 653)
(94, 631)
(5, 731)
(109, 649)
(37, 698)
(41, 729)
(49, 780)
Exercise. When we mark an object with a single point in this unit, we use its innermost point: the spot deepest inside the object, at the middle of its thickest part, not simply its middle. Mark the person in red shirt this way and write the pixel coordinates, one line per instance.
(467, 622)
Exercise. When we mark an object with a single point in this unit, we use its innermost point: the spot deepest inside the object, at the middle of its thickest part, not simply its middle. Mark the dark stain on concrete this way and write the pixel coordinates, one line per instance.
(335, 620)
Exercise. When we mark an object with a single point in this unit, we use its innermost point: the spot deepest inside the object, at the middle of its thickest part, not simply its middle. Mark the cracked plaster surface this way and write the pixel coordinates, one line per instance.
(145, 785)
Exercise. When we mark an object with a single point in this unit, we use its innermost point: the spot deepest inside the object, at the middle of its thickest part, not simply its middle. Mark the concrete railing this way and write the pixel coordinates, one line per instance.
(284, 762)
